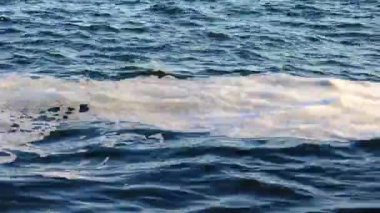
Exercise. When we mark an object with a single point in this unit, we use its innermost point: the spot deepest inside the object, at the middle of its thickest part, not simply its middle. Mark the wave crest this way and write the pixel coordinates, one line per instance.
(274, 105)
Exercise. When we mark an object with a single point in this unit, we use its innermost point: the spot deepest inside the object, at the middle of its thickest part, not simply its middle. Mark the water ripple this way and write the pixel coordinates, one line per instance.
(118, 167)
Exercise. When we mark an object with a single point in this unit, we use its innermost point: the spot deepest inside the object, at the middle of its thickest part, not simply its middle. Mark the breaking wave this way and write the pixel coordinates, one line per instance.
(272, 105)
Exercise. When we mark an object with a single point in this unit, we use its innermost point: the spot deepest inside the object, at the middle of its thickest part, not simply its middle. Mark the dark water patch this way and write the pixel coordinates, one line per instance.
(154, 196)
(6, 67)
(254, 187)
(138, 30)
(101, 14)
(167, 8)
(127, 72)
(351, 26)
(128, 57)
(218, 36)
(19, 203)
(196, 170)
(226, 209)
(8, 31)
(245, 72)
(47, 33)
(358, 209)
(372, 145)
(98, 28)
(44, 14)
(216, 72)
(338, 63)
(357, 35)
(273, 41)
(309, 11)
(244, 10)
(21, 59)
(273, 8)
(351, 42)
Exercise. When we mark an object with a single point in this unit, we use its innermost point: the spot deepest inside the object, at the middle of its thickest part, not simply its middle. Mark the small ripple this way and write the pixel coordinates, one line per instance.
(333, 62)
(309, 11)
(6, 66)
(128, 57)
(218, 36)
(303, 150)
(48, 33)
(235, 185)
(99, 28)
(21, 59)
(250, 55)
(44, 14)
(244, 10)
(158, 196)
(8, 31)
(130, 71)
(350, 34)
(138, 30)
(273, 40)
(101, 14)
(169, 8)
(358, 210)
(350, 26)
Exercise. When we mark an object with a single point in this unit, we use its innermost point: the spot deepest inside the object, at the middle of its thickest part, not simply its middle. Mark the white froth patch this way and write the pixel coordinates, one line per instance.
(275, 105)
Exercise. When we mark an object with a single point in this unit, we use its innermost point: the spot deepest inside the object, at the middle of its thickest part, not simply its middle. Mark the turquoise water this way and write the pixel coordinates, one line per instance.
(189, 106)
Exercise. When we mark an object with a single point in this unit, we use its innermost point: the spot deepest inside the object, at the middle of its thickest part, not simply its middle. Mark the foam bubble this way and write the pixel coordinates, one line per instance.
(274, 105)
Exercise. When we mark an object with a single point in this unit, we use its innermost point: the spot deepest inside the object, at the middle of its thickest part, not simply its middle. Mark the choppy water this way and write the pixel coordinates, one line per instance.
(190, 106)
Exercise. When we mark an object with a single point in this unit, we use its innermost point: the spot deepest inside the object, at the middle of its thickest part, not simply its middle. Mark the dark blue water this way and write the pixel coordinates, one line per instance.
(98, 167)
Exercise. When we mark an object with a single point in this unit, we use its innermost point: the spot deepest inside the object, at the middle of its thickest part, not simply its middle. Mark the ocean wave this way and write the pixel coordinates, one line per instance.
(256, 106)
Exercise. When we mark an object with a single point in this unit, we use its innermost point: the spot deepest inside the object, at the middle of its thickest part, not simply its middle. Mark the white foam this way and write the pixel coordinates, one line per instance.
(274, 105)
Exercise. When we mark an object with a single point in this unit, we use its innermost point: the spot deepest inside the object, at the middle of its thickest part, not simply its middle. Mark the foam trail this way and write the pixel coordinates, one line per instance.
(274, 105)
